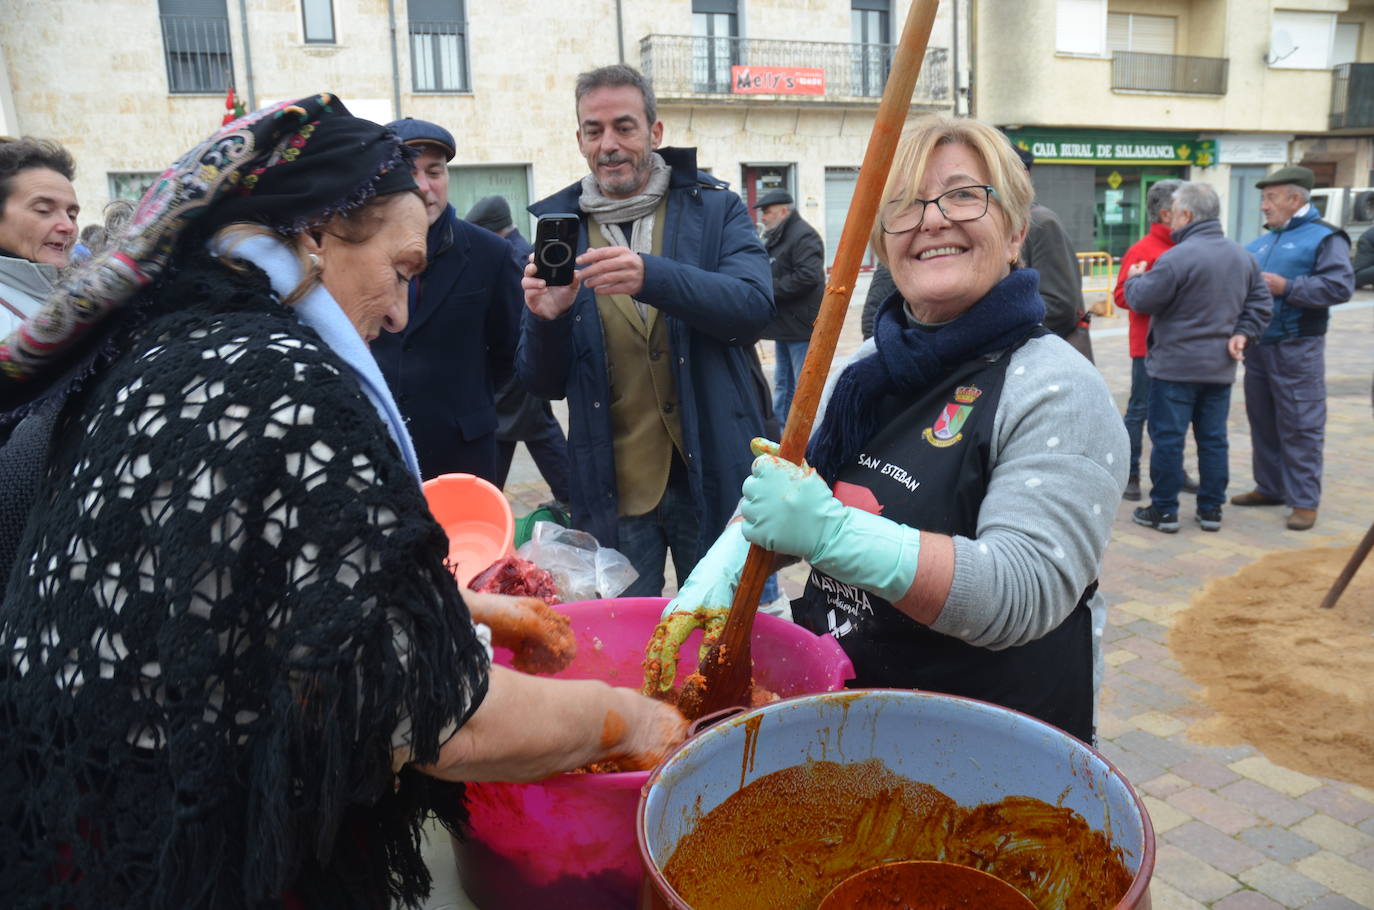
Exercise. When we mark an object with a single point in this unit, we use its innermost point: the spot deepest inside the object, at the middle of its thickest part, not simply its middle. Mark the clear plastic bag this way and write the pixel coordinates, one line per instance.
(582, 569)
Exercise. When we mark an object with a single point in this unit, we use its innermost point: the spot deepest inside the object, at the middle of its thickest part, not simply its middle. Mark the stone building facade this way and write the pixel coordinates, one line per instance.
(1119, 93)
(139, 81)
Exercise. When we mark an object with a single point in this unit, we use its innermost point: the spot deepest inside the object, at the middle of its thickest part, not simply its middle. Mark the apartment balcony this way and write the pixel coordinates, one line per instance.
(1171, 73)
(684, 67)
(1352, 96)
(198, 56)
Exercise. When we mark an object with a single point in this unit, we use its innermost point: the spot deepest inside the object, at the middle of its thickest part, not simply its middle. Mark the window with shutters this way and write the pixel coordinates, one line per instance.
(1080, 27)
(195, 42)
(1301, 40)
(1140, 34)
(438, 46)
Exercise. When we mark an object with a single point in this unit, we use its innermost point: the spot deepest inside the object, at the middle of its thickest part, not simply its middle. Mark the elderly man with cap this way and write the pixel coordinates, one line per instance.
(1306, 264)
(458, 346)
(520, 416)
(797, 257)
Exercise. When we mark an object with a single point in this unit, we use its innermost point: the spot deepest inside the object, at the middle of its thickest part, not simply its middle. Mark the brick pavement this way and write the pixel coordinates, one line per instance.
(1235, 831)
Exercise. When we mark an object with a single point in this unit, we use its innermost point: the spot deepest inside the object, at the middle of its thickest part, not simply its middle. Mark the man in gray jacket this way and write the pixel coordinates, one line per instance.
(1207, 301)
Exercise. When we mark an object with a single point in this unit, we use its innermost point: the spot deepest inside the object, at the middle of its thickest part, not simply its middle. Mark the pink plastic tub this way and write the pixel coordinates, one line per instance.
(569, 842)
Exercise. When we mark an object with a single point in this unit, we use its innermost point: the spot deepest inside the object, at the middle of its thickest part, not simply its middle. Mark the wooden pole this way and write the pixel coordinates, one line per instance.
(1351, 567)
(726, 669)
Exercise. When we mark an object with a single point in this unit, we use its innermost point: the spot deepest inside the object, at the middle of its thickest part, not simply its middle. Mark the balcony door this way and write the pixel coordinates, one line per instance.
(869, 27)
(715, 43)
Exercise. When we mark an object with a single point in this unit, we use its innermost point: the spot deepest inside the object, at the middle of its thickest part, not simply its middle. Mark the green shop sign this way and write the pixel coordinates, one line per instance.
(1099, 147)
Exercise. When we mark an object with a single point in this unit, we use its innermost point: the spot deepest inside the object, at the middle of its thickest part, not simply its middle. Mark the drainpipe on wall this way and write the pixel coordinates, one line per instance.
(395, 62)
(619, 32)
(954, 54)
(972, 53)
(247, 56)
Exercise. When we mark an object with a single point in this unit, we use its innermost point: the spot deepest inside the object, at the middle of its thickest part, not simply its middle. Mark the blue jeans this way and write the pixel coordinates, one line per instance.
(786, 373)
(671, 527)
(1173, 406)
(1137, 407)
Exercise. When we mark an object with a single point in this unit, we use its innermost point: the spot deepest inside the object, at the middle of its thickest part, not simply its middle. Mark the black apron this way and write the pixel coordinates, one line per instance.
(929, 468)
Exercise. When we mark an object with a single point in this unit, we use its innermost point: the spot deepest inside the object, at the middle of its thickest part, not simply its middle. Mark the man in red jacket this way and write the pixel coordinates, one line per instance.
(1147, 249)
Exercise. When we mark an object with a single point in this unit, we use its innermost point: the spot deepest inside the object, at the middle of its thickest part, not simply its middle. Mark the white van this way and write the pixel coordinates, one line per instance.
(1348, 208)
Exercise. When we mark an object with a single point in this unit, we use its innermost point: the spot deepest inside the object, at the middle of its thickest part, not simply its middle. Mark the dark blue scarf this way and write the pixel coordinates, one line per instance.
(910, 360)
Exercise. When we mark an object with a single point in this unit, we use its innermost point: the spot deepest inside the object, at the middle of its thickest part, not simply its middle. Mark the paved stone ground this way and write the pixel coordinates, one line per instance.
(1234, 830)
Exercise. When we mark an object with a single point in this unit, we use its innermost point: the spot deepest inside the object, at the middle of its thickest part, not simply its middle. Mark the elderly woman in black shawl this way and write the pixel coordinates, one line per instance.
(234, 668)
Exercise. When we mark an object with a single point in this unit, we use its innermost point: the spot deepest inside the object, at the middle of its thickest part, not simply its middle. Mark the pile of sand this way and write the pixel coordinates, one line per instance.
(1291, 679)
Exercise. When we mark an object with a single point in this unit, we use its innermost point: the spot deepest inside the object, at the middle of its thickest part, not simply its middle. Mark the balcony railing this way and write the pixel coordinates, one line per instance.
(199, 60)
(1352, 96)
(688, 66)
(439, 56)
(1169, 73)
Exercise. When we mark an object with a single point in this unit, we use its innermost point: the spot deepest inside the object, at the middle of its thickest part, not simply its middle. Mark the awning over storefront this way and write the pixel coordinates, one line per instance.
(1114, 147)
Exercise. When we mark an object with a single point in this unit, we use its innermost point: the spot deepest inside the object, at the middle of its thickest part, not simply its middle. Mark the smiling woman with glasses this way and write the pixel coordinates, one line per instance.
(967, 464)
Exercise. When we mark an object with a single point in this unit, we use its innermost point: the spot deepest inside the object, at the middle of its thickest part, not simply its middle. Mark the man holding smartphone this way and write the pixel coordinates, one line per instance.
(458, 346)
(652, 342)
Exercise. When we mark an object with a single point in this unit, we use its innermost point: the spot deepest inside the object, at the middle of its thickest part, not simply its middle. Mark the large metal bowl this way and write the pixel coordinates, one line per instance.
(973, 751)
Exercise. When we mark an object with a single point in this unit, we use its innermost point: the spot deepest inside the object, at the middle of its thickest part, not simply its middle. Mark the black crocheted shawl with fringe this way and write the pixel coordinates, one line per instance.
(229, 607)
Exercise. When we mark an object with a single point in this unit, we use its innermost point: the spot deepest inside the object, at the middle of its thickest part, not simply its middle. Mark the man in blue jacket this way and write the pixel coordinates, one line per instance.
(1207, 304)
(459, 343)
(1306, 264)
(652, 342)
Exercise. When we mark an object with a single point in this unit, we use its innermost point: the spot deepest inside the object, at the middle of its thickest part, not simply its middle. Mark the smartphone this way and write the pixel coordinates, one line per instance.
(555, 248)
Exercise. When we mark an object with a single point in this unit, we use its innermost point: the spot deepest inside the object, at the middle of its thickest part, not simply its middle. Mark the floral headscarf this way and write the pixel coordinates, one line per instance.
(289, 166)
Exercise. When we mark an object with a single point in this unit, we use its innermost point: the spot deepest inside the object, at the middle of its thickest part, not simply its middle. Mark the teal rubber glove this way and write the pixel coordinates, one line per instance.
(789, 509)
(702, 602)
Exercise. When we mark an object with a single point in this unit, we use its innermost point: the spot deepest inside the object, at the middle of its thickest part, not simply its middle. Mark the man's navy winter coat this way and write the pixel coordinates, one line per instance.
(457, 348)
(714, 286)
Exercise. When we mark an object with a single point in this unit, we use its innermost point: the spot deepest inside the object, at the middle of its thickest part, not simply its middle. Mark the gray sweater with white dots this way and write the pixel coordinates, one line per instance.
(1059, 459)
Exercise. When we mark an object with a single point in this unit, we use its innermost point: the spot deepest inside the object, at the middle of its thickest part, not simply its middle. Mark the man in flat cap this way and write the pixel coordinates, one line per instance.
(458, 346)
(797, 257)
(1306, 264)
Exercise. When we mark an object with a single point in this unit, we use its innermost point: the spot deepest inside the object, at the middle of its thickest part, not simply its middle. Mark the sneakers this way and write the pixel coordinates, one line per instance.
(1254, 498)
(1132, 491)
(1151, 518)
(1302, 519)
(1209, 519)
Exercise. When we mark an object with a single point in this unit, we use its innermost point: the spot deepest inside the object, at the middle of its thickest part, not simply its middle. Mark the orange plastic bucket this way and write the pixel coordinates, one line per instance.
(477, 519)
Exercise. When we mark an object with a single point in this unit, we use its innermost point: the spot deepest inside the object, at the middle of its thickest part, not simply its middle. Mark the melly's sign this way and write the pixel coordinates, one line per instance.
(1093, 147)
(776, 80)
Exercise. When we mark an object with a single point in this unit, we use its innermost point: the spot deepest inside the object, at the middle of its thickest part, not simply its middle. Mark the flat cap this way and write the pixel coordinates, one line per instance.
(422, 132)
(774, 197)
(490, 212)
(1291, 174)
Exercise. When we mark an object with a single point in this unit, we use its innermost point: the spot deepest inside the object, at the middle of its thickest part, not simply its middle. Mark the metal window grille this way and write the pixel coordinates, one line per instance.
(694, 65)
(1352, 96)
(1169, 73)
(438, 56)
(199, 59)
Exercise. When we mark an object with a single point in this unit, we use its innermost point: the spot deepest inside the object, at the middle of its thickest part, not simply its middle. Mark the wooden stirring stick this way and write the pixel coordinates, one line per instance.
(727, 667)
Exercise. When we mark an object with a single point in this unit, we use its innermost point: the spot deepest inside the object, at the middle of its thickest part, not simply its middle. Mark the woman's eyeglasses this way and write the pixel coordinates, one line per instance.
(963, 203)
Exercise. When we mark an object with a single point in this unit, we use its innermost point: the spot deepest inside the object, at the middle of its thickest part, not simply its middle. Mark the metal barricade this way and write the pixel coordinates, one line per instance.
(1097, 271)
